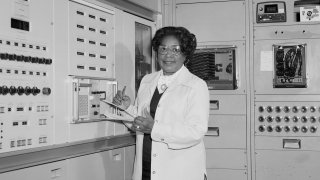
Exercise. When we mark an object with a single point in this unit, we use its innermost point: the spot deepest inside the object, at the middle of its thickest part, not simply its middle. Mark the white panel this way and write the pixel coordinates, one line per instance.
(26, 74)
(226, 131)
(226, 158)
(286, 32)
(91, 41)
(78, 132)
(263, 78)
(211, 21)
(226, 174)
(56, 170)
(129, 161)
(107, 165)
(279, 165)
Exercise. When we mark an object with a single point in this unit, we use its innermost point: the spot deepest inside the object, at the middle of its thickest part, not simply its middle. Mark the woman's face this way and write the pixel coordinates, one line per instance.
(170, 57)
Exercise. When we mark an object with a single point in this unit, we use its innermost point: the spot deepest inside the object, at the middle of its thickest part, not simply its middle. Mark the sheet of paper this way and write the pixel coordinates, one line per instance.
(108, 102)
(266, 61)
(117, 117)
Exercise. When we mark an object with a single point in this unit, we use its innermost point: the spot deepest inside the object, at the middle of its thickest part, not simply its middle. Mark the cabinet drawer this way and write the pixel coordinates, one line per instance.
(227, 104)
(226, 131)
(226, 174)
(226, 158)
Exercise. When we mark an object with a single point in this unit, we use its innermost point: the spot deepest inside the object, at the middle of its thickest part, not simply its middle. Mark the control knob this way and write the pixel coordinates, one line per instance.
(20, 90)
(12, 90)
(35, 91)
(46, 91)
(4, 90)
(28, 90)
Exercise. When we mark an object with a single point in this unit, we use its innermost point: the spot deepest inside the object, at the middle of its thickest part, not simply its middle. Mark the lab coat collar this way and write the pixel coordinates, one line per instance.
(182, 79)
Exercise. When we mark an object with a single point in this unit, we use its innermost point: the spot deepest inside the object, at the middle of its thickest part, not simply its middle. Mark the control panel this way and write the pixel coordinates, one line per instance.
(26, 74)
(89, 99)
(271, 12)
(286, 101)
(91, 39)
(287, 118)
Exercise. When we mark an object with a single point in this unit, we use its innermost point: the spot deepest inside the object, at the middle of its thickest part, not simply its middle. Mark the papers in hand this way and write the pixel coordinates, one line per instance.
(118, 107)
(117, 117)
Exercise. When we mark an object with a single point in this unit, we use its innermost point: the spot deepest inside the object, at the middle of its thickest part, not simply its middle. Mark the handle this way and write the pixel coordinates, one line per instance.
(213, 131)
(214, 104)
(75, 113)
(291, 143)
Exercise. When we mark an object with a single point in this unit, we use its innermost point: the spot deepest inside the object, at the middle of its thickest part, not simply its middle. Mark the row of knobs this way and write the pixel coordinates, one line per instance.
(295, 129)
(20, 58)
(286, 109)
(295, 119)
(12, 90)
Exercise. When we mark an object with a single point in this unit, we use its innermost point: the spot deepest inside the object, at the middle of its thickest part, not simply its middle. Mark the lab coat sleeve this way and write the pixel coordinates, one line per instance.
(190, 131)
(133, 110)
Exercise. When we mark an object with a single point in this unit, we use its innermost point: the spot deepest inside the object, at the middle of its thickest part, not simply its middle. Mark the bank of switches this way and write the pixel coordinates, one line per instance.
(12, 90)
(27, 59)
(287, 120)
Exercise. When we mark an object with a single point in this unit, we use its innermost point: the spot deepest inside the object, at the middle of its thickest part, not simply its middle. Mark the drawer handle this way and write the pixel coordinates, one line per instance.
(213, 131)
(214, 104)
(291, 144)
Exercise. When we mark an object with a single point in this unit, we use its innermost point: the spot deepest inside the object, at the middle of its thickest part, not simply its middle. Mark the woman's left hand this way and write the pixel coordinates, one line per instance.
(143, 124)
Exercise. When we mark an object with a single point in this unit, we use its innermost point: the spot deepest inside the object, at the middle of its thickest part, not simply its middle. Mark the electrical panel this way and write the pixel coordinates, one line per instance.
(88, 99)
(286, 103)
(57, 65)
(86, 70)
(26, 74)
(217, 66)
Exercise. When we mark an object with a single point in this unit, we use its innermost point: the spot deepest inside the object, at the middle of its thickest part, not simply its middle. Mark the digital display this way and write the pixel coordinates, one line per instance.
(19, 24)
(272, 8)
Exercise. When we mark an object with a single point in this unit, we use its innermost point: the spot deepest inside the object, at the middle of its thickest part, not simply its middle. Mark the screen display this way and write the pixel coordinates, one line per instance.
(19, 24)
(272, 8)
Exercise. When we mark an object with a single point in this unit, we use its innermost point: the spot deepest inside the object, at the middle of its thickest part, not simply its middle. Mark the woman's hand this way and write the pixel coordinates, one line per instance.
(143, 124)
(121, 99)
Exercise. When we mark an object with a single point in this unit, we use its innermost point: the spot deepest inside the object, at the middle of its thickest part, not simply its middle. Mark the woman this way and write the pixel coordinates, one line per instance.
(173, 110)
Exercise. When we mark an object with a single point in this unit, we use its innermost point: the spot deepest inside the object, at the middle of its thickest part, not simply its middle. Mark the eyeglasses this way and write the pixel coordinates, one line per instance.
(174, 49)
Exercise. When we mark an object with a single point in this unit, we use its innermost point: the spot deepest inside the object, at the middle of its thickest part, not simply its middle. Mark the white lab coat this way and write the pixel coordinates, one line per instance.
(181, 121)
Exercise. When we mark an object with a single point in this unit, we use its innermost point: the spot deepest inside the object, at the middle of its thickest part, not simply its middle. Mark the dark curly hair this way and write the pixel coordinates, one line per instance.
(187, 40)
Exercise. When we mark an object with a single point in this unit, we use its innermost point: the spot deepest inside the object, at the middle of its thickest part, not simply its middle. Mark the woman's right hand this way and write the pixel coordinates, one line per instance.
(121, 99)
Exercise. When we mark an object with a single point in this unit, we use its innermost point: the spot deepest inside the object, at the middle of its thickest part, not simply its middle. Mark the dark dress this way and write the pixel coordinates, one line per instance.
(147, 141)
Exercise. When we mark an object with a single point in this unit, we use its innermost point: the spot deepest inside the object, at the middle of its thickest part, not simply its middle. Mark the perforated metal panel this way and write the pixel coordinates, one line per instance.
(83, 105)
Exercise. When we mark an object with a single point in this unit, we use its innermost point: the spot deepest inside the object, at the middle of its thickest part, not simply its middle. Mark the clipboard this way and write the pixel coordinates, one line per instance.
(118, 107)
